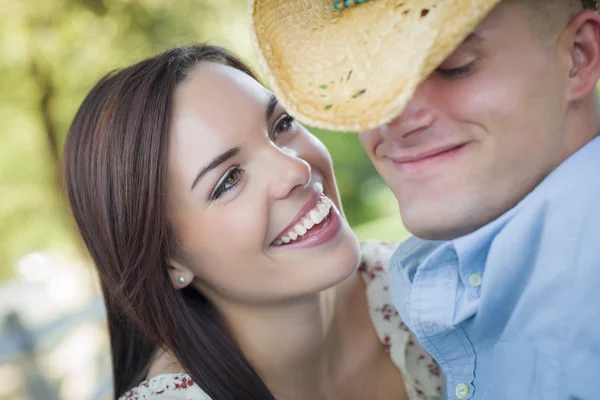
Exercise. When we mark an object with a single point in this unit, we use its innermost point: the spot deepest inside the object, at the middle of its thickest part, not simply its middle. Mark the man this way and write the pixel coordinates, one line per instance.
(495, 161)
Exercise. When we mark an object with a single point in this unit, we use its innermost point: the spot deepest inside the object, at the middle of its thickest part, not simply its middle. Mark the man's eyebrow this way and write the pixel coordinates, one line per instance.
(473, 37)
(218, 160)
(271, 107)
(470, 41)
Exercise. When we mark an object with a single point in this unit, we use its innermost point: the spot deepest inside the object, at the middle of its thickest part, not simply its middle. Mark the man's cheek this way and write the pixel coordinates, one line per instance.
(369, 141)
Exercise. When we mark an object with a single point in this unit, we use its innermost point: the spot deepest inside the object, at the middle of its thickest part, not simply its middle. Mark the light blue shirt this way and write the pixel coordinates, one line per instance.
(512, 310)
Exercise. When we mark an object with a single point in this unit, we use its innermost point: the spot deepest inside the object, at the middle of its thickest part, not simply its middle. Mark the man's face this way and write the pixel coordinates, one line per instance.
(481, 132)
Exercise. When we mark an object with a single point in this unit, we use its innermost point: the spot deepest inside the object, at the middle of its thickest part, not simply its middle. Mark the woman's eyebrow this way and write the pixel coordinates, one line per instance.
(218, 160)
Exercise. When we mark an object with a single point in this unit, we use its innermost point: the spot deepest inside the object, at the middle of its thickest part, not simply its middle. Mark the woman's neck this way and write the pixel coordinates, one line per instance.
(302, 346)
(303, 349)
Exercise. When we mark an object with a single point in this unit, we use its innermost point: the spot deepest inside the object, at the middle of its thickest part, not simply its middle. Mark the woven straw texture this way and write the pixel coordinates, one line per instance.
(355, 69)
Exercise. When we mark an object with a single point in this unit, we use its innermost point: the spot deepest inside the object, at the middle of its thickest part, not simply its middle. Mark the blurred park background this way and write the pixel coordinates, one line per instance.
(52, 337)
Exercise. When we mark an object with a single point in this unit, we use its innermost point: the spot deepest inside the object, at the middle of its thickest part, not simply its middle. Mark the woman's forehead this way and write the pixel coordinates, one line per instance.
(215, 84)
(218, 100)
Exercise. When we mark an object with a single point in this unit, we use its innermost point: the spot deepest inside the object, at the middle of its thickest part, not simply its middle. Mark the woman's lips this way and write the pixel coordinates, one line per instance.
(317, 234)
(311, 204)
(306, 223)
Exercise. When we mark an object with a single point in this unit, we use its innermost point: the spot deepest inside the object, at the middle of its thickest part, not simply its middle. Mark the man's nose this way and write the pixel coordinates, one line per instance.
(416, 116)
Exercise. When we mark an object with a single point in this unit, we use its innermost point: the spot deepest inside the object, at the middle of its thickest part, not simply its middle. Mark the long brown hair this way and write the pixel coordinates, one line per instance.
(115, 175)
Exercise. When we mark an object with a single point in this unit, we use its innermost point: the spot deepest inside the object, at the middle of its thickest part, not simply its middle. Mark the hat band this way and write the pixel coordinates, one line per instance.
(339, 4)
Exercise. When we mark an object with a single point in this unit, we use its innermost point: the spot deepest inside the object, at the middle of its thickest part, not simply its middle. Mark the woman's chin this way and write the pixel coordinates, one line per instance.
(339, 263)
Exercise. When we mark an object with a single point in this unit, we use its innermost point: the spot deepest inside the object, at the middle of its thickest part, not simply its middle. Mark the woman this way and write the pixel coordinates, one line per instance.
(227, 267)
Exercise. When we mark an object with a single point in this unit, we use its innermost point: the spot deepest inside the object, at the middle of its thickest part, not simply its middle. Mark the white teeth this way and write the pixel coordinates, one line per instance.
(300, 230)
(323, 209)
(314, 217)
(309, 222)
(317, 216)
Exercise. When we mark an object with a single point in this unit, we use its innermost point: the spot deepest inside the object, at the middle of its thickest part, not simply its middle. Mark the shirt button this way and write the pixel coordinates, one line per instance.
(475, 280)
(462, 391)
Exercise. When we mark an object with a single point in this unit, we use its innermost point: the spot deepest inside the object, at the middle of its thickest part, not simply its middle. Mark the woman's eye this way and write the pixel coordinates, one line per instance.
(231, 179)
(283, 124)
(458, 71)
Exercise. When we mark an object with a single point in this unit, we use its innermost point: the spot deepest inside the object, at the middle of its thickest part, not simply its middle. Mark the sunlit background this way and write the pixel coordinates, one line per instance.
(53, 342)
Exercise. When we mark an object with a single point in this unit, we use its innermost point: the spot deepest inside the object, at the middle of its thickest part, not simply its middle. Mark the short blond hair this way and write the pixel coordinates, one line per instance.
(550, 17)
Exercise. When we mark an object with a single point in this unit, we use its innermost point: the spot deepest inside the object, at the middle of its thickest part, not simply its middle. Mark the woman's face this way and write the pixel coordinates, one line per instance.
(252, 198)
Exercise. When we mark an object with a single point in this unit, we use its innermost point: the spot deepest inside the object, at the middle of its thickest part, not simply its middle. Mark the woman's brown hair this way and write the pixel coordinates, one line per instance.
(115, 175)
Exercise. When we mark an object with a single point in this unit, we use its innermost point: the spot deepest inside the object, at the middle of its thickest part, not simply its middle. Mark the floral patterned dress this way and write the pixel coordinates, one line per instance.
(420, 372)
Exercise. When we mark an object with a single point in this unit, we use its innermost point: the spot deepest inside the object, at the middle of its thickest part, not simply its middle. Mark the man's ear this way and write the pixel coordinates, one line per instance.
(584, 49)
(181, 275)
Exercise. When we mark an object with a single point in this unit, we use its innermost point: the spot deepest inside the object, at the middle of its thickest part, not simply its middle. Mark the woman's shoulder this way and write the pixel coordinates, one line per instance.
(376, 254)
(421, 373)
(178, 386)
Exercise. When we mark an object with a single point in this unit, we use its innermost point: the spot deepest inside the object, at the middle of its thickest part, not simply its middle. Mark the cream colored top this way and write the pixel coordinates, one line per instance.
(420, 372)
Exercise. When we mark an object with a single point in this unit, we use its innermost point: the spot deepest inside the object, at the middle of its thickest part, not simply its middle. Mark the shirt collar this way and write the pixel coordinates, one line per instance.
(411, 253)
(472, 249)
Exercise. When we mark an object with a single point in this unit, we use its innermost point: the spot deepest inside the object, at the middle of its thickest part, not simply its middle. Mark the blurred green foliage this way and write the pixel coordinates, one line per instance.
(52, 52)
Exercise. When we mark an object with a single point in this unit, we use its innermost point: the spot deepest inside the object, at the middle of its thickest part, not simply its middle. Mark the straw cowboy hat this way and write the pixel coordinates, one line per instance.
(353, 65)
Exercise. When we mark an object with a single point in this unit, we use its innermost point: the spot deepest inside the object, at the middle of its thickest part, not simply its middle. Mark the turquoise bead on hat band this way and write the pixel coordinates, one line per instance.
(338, 4)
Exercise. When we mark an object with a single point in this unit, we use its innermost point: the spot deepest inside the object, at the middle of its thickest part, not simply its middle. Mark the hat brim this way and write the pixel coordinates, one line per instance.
(356, 69)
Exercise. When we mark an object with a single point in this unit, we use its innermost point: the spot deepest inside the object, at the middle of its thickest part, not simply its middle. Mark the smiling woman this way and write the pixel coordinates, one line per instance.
(227, 266)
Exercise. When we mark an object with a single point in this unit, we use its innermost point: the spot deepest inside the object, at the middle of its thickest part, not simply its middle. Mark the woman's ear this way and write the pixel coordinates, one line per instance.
(181, 275)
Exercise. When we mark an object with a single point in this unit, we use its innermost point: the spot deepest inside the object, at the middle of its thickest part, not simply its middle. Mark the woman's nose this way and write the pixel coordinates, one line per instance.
(289, 171)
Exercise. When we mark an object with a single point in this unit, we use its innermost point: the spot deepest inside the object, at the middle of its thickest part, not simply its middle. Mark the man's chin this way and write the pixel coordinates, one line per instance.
(433, 226)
